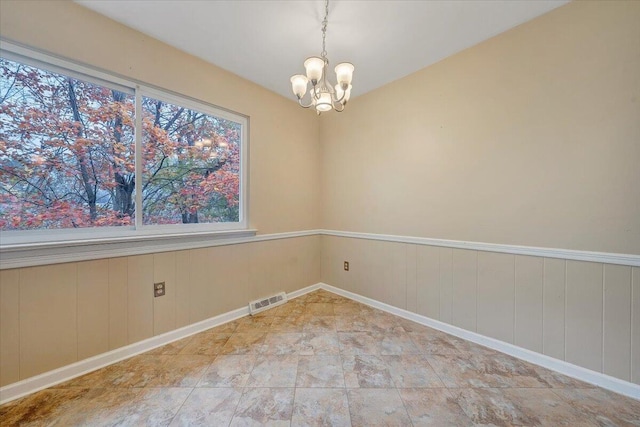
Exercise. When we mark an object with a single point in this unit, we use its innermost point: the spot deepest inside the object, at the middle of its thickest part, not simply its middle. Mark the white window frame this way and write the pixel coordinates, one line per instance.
(19, 241)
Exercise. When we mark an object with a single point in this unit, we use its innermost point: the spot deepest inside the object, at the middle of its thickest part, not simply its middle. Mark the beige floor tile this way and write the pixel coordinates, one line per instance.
(180, 371)
(359, 343)
(208, 407)
(228, 371)
(320, 371)
(315, 323)
(319, 344)
(411, 371)
(127, 407)
(605, 407)
(290, 309)
(320, 309)
(520, 406)
(471, 370)
(244, 343)
(254, 324)
(377, 407)
(264, 407)
(433, 407)
(206, 343)
(287, 324)
(366, 371)
(397, 342)
(282, 343)
(274, 371)
(353, 323)
(315, 407)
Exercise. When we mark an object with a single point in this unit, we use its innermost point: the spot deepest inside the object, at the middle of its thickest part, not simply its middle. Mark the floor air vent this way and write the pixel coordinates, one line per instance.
(264, 303)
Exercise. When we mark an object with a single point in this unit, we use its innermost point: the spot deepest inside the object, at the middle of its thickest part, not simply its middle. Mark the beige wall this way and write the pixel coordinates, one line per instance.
(580, 312)
(530, 138)
(51, 316)
(284, 144)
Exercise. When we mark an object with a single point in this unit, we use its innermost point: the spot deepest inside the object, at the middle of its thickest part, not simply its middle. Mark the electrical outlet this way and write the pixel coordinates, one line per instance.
(158, 289)
(346, 266)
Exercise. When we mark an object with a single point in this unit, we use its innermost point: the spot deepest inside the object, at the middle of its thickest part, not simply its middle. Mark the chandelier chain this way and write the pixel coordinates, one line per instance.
(325, 21)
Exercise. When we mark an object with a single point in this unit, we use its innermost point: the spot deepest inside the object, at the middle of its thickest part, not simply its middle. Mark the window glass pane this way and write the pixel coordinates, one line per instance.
(191, 165)
(66, 151)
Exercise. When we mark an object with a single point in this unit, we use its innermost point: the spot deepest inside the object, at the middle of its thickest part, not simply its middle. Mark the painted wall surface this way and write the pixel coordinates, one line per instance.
(284, 144)
(54, 315)
(530, 138)
(580, 312)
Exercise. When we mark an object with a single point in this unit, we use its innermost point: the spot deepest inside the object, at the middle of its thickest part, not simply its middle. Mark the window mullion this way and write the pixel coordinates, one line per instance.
(138, 156)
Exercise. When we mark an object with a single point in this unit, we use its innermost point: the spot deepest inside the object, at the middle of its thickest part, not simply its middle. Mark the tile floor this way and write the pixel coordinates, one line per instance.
(318, 360)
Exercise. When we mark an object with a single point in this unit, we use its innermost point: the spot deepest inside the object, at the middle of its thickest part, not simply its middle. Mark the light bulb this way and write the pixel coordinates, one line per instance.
(313, 67)
(299, 85)
(344, 73)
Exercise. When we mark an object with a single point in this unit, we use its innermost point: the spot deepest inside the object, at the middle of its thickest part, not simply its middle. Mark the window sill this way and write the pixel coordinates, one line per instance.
(55, 252)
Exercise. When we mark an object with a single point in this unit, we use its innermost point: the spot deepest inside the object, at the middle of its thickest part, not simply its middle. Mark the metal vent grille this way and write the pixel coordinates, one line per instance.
(265, 303)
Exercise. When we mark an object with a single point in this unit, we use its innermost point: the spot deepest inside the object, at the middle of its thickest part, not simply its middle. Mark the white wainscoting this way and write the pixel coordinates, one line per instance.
(584, 313)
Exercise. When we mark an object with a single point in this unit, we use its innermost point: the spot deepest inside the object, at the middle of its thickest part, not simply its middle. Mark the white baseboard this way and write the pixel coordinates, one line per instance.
(592, 377)
(48, 379)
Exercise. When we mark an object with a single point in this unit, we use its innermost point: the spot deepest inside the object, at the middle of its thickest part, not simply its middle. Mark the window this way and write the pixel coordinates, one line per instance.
(83, 153)
(191, 165)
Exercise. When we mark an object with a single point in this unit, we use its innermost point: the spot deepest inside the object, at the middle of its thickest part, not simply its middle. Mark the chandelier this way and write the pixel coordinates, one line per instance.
(323, 96)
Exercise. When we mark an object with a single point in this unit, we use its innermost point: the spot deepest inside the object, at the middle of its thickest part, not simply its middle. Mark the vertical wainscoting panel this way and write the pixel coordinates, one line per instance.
(393, 287)
(229, 285)
(635, 325)
(183, 287)
(48, 318)
(428, 281)
(496, 295)
(529, 284)
(331, 267)
(584, 314)
(93, 308)
(446, 284)
(140, 297)
(359, 262)
(617, 321)
(374, 266)
(164, 307)
(239, 277)
(411, 266)
(201, 272)
(263, 267)
(464, 289)
(301, 262)
(9, 326)
(294, 253)
(553, 313)
(118, 305)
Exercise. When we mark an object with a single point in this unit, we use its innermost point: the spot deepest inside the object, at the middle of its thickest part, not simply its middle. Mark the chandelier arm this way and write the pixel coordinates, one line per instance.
(344, 93)
(305, 106)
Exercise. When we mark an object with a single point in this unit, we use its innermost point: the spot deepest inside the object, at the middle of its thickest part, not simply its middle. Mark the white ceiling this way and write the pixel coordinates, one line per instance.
(267, 41)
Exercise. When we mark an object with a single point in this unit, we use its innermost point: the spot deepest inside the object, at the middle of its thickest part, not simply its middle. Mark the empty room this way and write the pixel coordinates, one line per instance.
(319, 213)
